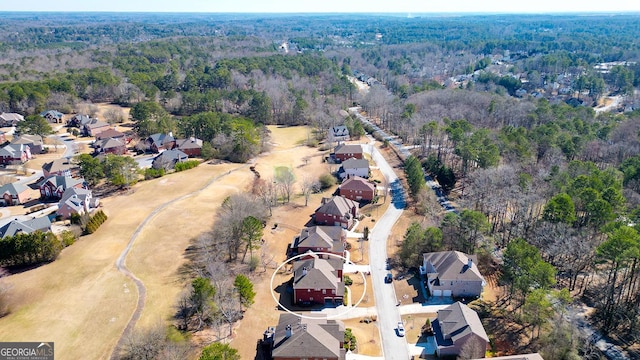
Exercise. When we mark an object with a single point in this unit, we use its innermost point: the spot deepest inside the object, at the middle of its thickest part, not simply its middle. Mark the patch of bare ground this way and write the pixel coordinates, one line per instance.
(367, 336)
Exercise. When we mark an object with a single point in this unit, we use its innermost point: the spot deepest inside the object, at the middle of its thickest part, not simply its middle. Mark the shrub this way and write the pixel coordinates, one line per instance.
(186, 165)
(95, 221)
(152, 173)
(327, 181)
(68, 238)
(347, 280)
(349, 340)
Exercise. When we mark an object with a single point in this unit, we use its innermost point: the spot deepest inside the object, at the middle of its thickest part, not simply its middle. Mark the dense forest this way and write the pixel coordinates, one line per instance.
(508, 113)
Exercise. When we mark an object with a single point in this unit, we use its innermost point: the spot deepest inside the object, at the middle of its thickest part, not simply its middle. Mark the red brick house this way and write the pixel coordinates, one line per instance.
(358, 189)
(15, 194)
(62, 167)
(344, 152)
(54, 186)
(15, 154)
(52, 116)
(110, 133)
(328, 239)
(76, 201)
(158, 142)
(94, 127)
(191, 146)
(296, 338)
(35, 143)
(317, 281)
(337, 211)
(111, 146)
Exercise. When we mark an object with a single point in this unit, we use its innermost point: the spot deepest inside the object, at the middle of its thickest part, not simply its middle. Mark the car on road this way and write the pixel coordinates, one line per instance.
(388, 278)
(400, 329)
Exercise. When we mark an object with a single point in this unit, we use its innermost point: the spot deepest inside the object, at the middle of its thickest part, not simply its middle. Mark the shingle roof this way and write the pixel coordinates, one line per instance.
(11, 117)
(59, 165)
(355, 164)
(453, 265)
(310, 338)
(348, 149)
(52, 113)
(160, 139)
(64, 181)
(81, 194)
(28, 139)
(109, 133)
(458, 320)
(95, 123)
(109, 143)
(320, 237)
(25, 226)
(13, 188)
(357, 183)
(339, 130)
(315, 273)
(338, 206)
(12, 150)
(191, 143)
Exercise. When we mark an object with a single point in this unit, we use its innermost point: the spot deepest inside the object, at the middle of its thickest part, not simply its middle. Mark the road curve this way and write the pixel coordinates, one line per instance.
(122, 267)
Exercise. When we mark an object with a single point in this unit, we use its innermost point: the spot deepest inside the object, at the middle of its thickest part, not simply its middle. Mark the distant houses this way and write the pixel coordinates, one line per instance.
(338, 133)
(17, 226)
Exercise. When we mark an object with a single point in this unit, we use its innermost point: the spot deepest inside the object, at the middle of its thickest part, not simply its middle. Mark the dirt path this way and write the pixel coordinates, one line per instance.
(122, 267)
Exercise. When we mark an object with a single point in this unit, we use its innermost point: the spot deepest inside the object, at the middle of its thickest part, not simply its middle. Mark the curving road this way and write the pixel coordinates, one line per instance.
(122, 267)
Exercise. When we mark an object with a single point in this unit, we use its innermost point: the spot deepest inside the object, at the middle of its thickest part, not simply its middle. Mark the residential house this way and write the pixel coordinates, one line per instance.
(110, 134)
(94, 127)
(354, 167)
(344, 152)
(15, 194)
(452, 273)
(327, 239)
(110, 146)
(52, 116)
(29, 226)
(159, 142)
(10, 119)
(62, 167)
(338, 133)
(79, 121)
(458, 327)
(168, 159)
(296, 338)
(337, 211)
(190, 146)
(15, 154)
(76, 201)
(357, 189)
(54, 186)
(317, 281)
(534, 356)
(35, 143)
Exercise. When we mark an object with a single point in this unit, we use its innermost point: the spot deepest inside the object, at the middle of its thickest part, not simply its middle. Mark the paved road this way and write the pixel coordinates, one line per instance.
(393, 346)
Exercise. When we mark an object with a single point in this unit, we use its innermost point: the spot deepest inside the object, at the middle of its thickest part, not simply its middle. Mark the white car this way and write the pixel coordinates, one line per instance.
(400, 329)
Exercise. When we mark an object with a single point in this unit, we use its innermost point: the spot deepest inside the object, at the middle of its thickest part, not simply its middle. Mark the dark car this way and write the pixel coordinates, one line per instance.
(388, 278)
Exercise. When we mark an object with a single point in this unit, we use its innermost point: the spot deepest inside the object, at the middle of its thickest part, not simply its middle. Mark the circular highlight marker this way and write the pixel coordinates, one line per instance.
(333, 316)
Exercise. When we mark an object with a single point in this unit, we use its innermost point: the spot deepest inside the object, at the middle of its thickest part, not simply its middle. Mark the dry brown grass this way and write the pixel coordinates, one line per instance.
(367, 337)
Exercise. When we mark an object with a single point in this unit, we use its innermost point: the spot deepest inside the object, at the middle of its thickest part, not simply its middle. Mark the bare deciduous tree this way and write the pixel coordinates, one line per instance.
(308, 186)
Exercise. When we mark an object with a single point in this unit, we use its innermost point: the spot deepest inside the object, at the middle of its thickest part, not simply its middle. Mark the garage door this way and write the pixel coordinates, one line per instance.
(446, 292)
(437, 292)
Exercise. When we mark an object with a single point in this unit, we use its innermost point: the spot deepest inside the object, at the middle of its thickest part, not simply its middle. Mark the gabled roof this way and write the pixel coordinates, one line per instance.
(160, 139)
(25, 226)
(13, 150)
(95, 123)
(454, 265)
(339, 130)
(316, 273)
(171, 155)
(348, 149)
(77, 193)
(58, 181)
(109, 143)
(309, 338)
(191, 143)
(320, 237)
(109, 133)
(74, 203)
(28, 139)
(81, 119)
(59, 165)
(458, 320)
(11, 117)
(52, 113)
(355, 164)
(357, 183)
(13, 188)
(338, 205)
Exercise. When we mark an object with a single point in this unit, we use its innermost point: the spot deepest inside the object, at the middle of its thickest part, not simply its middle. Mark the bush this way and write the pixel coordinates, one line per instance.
(95, 221)
(186, 165)
(327, 181)
(67, 238)
(152, 173)
(347, 280)
(349, 340)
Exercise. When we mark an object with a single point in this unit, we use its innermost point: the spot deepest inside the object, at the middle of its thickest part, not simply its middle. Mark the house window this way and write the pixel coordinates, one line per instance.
(333, 291)
(324, 291)
(308, 290)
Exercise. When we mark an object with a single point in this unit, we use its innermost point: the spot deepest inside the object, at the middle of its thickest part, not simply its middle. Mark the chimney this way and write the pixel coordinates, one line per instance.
(171, 133)
(304, 271)
(469, 263)
(288, 331)
(192, 139)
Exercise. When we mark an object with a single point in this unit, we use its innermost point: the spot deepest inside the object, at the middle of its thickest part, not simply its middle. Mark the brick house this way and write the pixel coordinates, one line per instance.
(15, 154)
(52, 116)
(35, 143)
(452, 273)
(62, 167)
(344, 152)
(456, 326)
(337, 211)
(15, 194)
(191, 146)
(317, 281)
(110, 146)
(94, 127)
(296, 338)
(76, 201)
(358, 189)
(158, 142)
(328, 239)
(54, 186)
(110, 134)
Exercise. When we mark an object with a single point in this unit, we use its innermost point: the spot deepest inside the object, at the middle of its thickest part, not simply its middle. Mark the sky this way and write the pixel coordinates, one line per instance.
(324, 6)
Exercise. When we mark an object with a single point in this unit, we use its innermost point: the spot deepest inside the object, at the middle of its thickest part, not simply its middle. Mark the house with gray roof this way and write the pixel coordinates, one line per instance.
(110, 146)
(190, 146)
(338, 133)
(29, 226)
(316, 280)
(158, 142)
(327, 239)
(79, 121)
(34, 142)
(15, 154)
(62, 167)
(354, 167)
(337, 211)
(10, 119)
(52, 116)
(457, 327)
(452, 273)
(297, 338)
(94, 127)
(76, 201)
(344, 152)
(15, 194)
(54, 186)
(168, 159)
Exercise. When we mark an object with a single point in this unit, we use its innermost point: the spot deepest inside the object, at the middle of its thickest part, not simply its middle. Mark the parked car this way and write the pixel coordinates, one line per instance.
(400, 329)
(389, 278)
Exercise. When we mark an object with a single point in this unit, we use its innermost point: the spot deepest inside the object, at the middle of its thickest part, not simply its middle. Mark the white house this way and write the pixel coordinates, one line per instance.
(354, 167)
